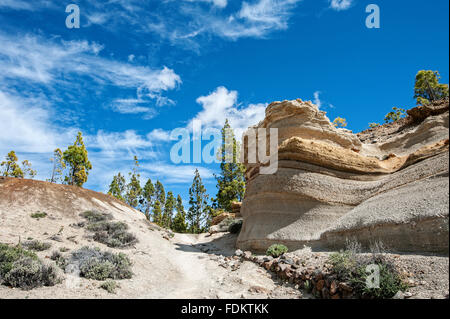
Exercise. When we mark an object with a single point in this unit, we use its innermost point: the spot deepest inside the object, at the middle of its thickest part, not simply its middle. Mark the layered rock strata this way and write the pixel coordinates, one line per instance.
(388, 184)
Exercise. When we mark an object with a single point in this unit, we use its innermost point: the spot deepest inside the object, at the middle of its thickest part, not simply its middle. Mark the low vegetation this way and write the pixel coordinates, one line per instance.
(60, 260)
(113, 234)
(38, 215)
(110, 286)
(37, 245)
(276, 250)
(20, 268)
(101, 265)
(352, 266)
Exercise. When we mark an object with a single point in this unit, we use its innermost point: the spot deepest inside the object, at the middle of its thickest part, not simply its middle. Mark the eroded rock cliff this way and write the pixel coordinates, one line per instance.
(389, 183)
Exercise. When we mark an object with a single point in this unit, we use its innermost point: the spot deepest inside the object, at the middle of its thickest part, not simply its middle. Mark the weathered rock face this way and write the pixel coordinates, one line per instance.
(389, 183)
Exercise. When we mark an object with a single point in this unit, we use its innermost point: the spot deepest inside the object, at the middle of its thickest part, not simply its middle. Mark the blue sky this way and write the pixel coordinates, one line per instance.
(135, 70)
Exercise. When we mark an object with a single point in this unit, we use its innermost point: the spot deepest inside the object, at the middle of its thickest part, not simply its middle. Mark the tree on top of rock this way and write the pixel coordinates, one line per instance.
(10, 166)
(427, 87)
(231, 180)
(58, 166)
(117, 187)
(76, 158)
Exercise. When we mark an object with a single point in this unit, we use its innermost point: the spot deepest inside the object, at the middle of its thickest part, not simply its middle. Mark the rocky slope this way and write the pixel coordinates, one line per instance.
(163, 265)
(387, 184)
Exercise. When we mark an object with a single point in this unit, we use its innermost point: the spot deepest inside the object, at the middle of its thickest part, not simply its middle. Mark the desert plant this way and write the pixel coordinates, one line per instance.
(113, 234)
(427, 87)
(98, 265)
(60, 260)
(94, 216)
(276, 250)
(37, 245)
(110, 286)
(351, 266)
(374, 125)
(235, 226)
(395, 115)
(21, 268)
(38, 215)
(340, 122)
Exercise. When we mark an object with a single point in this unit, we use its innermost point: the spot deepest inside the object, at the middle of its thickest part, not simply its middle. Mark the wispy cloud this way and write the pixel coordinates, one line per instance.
(340, 5)
(189, 21)
(61, 64)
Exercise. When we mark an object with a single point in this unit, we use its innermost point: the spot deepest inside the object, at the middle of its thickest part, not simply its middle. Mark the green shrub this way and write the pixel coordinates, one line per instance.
(276, 250)
(20, 268)
(60, 260)
(98, 265)
(37, 245)
(110, 286)
(113, 234)
(94, 217)
(235, 227)
(38, 215)
(350, 266)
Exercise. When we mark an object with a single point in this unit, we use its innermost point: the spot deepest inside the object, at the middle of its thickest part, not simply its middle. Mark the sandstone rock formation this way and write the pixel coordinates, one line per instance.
(389, 183)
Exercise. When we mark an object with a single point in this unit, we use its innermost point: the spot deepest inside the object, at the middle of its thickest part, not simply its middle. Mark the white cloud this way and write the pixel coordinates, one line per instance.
(222, 104)
(217, 3)
(317, 100)
(159, 135)
(340, 5)
(24, 5)
(51, 63)
(188, 22)
(25, 126)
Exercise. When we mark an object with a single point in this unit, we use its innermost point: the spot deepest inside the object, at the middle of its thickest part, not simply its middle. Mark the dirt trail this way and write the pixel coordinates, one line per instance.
(185, 266)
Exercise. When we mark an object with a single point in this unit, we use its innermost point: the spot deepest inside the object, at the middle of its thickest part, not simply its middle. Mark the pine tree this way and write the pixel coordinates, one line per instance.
(427, 87)
(27, 170)
(179, 221)
(117, 187)
(199, 210)
(148, 195)
(76, 158)
(168, 210)
(11, 168)
(160, 193)
(231, 181)
(58, 166)
(157, 213)
(134, 190)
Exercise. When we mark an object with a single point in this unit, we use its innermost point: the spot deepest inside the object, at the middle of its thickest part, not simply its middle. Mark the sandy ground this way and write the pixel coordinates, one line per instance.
(177, 269)
(185, 266)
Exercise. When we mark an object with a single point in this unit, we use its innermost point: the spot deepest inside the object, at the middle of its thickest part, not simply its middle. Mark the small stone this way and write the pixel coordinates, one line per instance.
(258, 290)
(333, 287)
(320, 284)
(345, 287)
(239, 253)
(399, 295)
